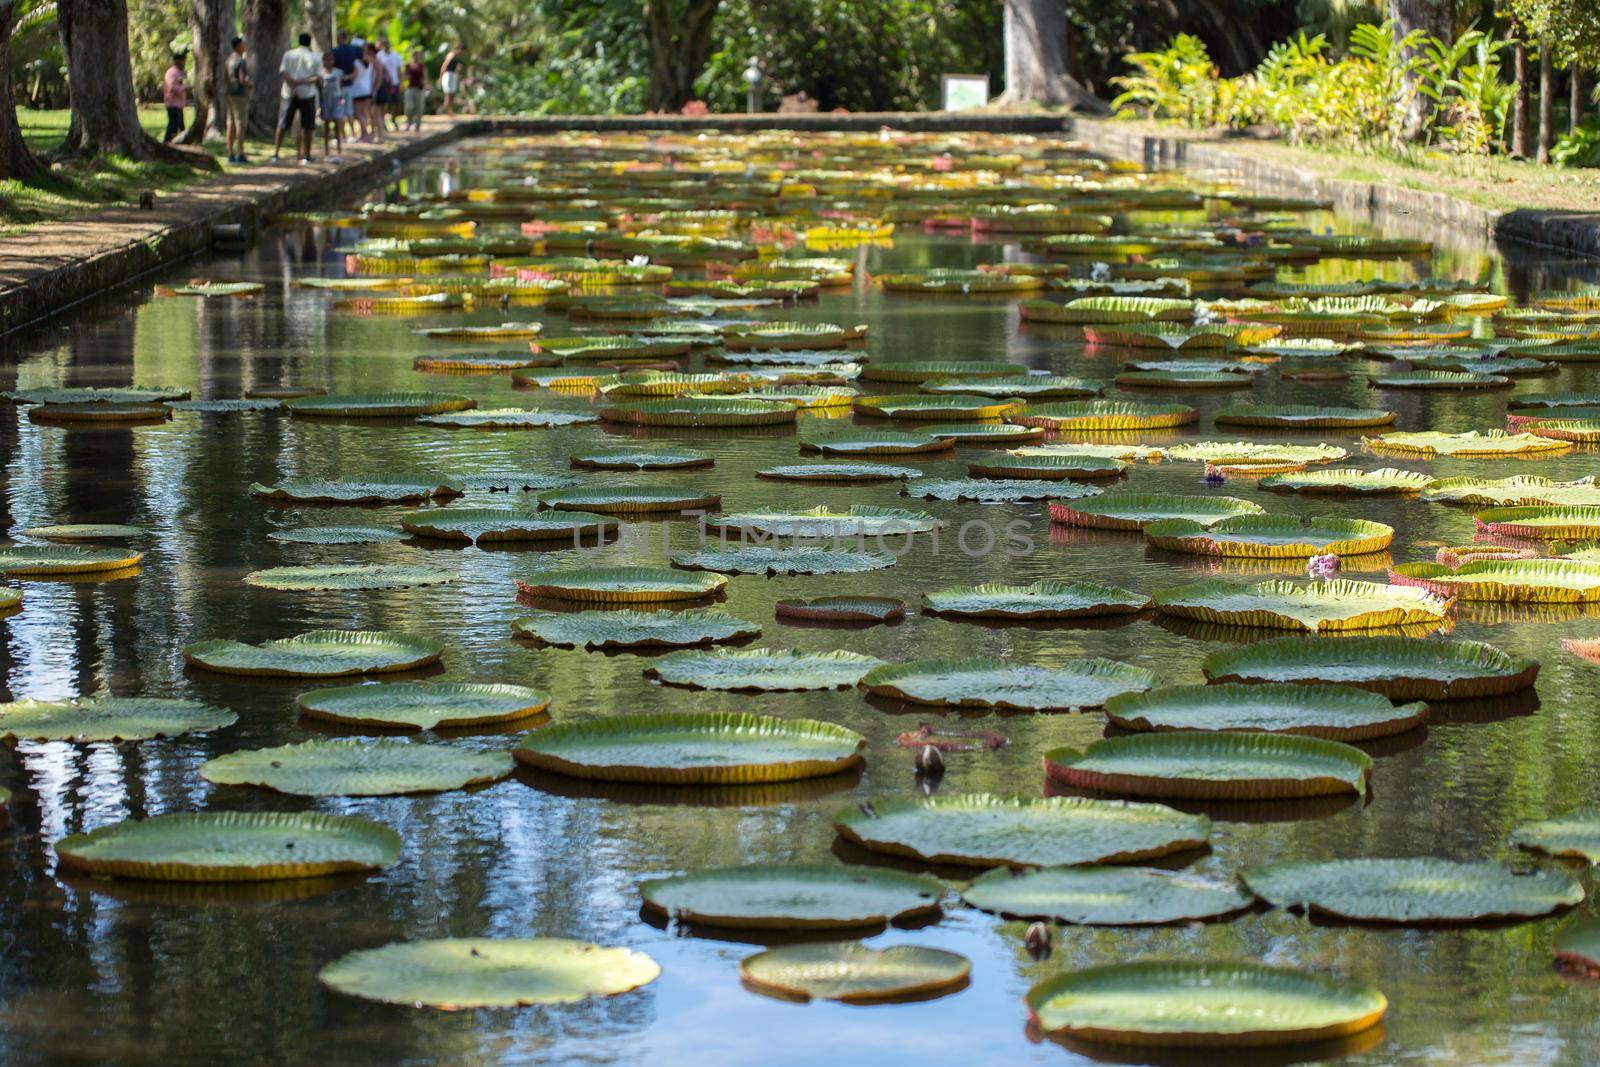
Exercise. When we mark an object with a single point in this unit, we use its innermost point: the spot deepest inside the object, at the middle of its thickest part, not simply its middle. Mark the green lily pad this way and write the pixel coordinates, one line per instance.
(1543, 523)
(108, 718)
(1471, 443)
(621, 585)
(1202, 1003)
(863, 609)
(1221, 765)
(774, 561)
(336, 535)
(1270, 536)
(506, 419)
(1400, 668)
(1104, 896)
(879, 443)
(932, 406)
(860, 473)
(1522, 490)
(714, 748)
(1135, 511)
(85, 532)
(793, 896)
(477, 525)
(377, 405)
(9, 598)
(318, 491)
(1050, 467)
(1319, 607)
(1575, 834)
(1039, 600)
(231, 846)
(858, 520)
(640, 459)
(983, 830)
(1183, 379)
(1255, 452)
(481, 972)
(1385, 481)
(24, 560)
(423, 705)
(762, 670)
(383, 767)
(1414, 890)
(983, 433)
(633, 629)
(852, 973)
(1102, 415)
(517, 481)
(707, 412)
(982, 490)
(316, 654)
(1334, 712)
(1024, 386)
(629, 499)
(1440, 379)
(1304, 416)
(995, 683)
(1577, 948)
(1539, 581)
(920, 372)
(99, 413)
(96, 395)
(348, 576)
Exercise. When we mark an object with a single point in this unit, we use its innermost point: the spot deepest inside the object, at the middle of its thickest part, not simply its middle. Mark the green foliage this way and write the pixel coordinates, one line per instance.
(1179, 82)
(1580, 148)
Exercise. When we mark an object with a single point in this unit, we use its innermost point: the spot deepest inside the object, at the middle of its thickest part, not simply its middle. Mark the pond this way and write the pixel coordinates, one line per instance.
(142, 971)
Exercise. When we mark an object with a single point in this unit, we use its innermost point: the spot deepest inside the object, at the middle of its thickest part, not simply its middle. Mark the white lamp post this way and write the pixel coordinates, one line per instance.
(753, 77)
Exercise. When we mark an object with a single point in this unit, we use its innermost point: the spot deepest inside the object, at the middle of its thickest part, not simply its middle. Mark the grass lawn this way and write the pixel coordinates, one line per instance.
(75, 189)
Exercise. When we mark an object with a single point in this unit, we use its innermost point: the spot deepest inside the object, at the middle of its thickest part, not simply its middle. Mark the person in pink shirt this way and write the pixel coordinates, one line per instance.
(175, 94)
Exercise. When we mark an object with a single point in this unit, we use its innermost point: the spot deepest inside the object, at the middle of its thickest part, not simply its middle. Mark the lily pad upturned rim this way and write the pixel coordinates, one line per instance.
(890, 680)
(837, 669)
(596, 585)
(1484, 669)
(1270, 536)
(1331, 712)
(1107, 895)
(109, 718)
(1343, 889)
(587, 629)
(1272, 604)
(694, 897)
(515, 702)
(845, 609)
(824, 971)
(1033, 601)
(275, 767)
(1102, 512)
(408, 652)
(1332, 766)
(1572, 834)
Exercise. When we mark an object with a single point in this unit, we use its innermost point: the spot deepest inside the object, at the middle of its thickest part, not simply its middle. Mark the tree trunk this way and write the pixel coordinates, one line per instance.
(318, 15)
(16, 158)
(1547, 92)
(1435, 17)
(1519, 103)
(679, 39)
(105, 115)
(266, 36)
(1036, 57)
(1575, 117)
(206, 20)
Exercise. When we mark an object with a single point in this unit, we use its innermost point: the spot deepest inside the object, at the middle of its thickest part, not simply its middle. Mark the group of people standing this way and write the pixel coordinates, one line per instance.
(361, 88)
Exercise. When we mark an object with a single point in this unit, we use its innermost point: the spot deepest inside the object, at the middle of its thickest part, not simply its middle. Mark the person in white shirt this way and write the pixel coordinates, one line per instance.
(387, 96)
(301, 71)
(361, 92)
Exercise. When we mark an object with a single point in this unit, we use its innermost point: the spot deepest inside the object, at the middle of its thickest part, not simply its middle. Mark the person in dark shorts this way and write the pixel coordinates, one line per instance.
(175, 94)
(238, 83)
(301, 72)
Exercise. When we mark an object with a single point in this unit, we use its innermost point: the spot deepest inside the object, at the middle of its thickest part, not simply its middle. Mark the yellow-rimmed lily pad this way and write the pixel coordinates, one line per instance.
(21, 561)
(998, 683)
(1270, 536)
(1334, 712)
(377, 405)
(763, 670)
(316, 654)
(1315, 606)
(1135, 511)
(1220, 765)
(423, 705)
(505, 524)
(633, 629)
(322, 577)
(773, 561)
(1400, 668)
(86, 531)
(383, 767)
(852, 973)
(621, 585)
(1038, 600)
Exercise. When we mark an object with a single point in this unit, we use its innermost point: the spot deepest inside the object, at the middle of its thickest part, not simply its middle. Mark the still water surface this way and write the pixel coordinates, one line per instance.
(97, 971)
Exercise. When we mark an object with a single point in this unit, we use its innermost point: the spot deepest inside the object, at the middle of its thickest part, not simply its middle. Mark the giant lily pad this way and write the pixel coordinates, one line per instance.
(773, 561)
(1315, 606)
(24, 560)
(1047, 467)
(1400, 668)
(1255, 452)
(1039, 600)
(793, 896)
(1135, 511)
(847, 609)
(336, 535)
(316, 654)
(857, 473)
(997, 683)
(1577, 948)
(1222, 765)
(1440, 379)
(1575, 834)
(1471, 443)
(926, 406)
(983, 830)
(231, 846)
(423, 705)
(984, 433)
(763, 670)
(1104, 896)
(382, 767)
(87, 531)
(1540, 581)
(621, 585)
(1385, 481)
(1102, 415)
(316, 491)
(482, 972)
(1203, 1003)
(99, 413)
(1334, 712)
(1270, 536)
(1025, 386)
(985, 490)
(1301, 416)
(1419, 890)
(1522, 490)
(108, 718)
(629, 499)
(377, 405)
(708, 412)
(505, 524)
(642, 459)
(823, 521)
(348, 576)
(633, 629)
(878, 443)
(506, 419)
(853, 973)
(927, 371)
(1543, 523)
(717, 748)
(97, 395)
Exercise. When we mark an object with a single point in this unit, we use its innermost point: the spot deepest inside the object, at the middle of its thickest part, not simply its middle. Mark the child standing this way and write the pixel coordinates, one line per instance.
(332, 94)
